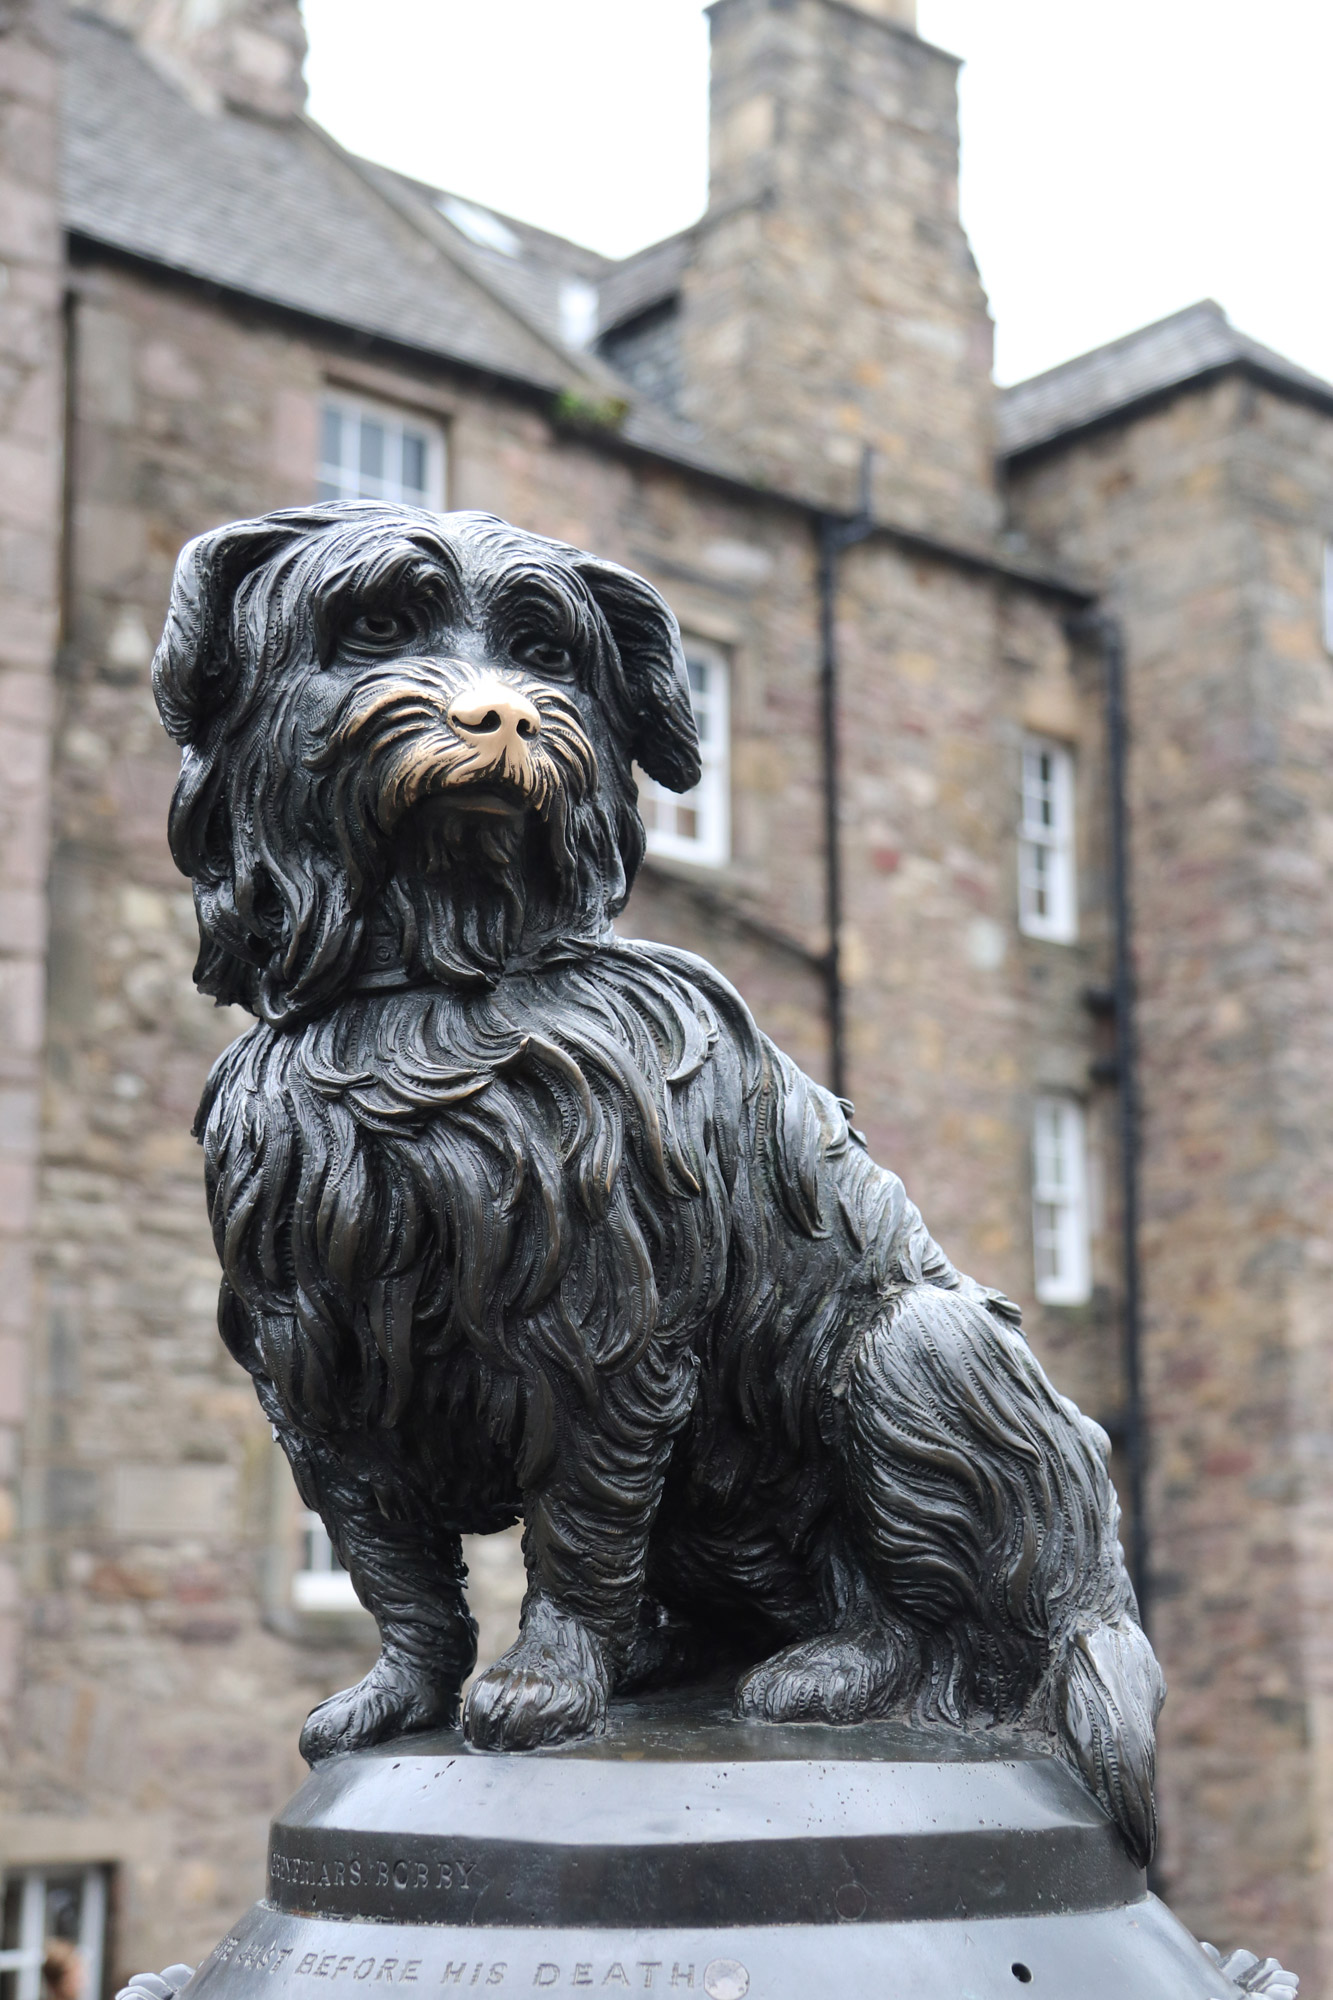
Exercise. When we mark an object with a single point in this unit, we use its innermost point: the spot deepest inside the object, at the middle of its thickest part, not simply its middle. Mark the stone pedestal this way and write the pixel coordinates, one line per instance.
(685, 1853)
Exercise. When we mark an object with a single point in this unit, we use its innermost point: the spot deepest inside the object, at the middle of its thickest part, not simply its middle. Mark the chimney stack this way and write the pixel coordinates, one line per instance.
(833, 302)
(901, 11)
(246, 54)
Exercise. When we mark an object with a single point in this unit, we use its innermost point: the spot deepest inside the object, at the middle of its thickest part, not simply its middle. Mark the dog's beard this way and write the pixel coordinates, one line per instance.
(468, 868)
(472, 893)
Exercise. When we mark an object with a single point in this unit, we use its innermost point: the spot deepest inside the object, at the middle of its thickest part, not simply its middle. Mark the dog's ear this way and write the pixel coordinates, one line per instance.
(193, 665)
(665, 742)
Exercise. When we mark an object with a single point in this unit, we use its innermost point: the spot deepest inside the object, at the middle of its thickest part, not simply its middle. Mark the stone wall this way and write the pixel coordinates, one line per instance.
(31, 424)
(1203, 518)
(166, 1678)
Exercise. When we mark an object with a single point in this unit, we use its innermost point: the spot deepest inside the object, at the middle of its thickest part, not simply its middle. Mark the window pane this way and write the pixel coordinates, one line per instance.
(372, 454)
(694, 826)
(1047, 898)
(1047, 1242)
(321, 1584)
(372, 449)
(54, 1918)
(64, 1903)
(331, 435)
(414, 464)
(1059, 1201)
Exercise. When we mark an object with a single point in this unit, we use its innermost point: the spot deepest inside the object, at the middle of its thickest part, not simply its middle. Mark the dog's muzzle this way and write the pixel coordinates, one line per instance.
(483, 740)
(501, 727)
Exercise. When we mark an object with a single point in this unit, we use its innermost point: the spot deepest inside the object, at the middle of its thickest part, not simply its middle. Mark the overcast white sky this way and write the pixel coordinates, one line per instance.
(1119, 160)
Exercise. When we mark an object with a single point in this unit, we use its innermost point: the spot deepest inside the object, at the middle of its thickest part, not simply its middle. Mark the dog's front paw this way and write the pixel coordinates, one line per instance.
(842, 1677)
(551, 1685)
(393, 1700)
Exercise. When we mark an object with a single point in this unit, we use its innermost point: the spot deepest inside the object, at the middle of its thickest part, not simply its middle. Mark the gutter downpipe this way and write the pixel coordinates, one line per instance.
(1107, 634)
(834, 534)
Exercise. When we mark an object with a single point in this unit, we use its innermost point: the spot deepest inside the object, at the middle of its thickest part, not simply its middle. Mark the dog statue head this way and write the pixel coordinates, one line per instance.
(407, 743)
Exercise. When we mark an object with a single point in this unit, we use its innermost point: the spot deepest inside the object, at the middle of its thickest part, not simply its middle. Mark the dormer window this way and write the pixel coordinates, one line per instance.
(578, 312)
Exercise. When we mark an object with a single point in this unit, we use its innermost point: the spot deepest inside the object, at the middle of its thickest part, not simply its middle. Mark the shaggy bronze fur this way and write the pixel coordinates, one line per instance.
(518, 1218)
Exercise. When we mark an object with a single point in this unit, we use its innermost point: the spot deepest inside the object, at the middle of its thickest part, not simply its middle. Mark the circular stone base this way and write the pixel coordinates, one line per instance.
(685, 1853)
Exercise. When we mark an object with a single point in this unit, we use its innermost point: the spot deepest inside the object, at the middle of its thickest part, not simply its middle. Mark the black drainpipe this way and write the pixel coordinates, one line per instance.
(835, 533)
(69, 469)
(1107, 634)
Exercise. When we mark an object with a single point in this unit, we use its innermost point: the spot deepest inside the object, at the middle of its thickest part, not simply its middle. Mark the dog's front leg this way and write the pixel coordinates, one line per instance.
(409, 1574)
(585, 1545)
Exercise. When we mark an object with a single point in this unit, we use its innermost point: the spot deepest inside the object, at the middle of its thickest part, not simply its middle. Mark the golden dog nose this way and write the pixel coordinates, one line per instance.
(495, 718)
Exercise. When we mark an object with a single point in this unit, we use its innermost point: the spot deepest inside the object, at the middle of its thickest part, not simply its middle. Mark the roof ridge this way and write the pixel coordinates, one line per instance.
(435, 229)
(1197, 342)
(659, 243)
(1123, 340)
(435, 194)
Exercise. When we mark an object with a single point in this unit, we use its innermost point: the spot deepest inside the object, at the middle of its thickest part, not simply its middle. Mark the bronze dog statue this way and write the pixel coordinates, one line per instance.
(517, 1218)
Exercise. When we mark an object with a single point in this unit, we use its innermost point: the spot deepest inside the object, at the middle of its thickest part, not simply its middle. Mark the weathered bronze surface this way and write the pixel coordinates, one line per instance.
(519, 1219)
(516, 1217)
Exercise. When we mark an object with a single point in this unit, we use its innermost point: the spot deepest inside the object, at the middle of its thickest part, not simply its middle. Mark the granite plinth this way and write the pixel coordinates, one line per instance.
(684, 1852)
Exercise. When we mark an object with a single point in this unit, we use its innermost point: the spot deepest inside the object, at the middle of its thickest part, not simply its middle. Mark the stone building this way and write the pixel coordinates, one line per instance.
(785, 418)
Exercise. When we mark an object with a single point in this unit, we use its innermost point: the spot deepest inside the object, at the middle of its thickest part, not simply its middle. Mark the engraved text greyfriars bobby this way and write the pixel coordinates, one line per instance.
(516, 1218)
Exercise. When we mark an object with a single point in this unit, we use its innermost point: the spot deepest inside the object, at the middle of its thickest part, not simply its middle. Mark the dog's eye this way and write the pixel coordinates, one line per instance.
(547, 655)
(380, 628)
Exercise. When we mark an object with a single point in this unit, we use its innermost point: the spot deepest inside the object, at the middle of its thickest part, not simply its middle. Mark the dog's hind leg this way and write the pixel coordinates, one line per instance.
(988, 1515)
(410, 1577)
(842, 1676)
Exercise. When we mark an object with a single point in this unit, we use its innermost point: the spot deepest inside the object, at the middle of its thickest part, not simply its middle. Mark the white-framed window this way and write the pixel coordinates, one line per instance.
(54, 1917)
(696, 825)
(372, 451)
(1060, 1201)
(1047, 881)
(320, 1584)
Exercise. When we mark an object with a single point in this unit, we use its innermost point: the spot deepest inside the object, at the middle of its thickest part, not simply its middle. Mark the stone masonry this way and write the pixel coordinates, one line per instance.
(1203, 519)
(31, 467)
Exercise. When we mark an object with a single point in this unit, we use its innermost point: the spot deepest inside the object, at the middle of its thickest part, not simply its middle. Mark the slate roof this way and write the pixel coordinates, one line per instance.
(278, 212)
(647, 279)
(531, 269)
(1110, 380)
(282, 214)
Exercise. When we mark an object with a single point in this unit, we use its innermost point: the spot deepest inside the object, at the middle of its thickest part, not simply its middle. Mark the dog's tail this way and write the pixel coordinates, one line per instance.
(1109, 1690)
(989, 1513)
